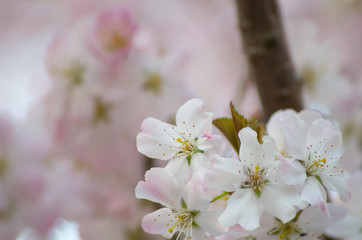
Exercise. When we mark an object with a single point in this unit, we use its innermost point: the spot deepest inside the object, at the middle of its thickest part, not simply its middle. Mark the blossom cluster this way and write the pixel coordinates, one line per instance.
(277, 185)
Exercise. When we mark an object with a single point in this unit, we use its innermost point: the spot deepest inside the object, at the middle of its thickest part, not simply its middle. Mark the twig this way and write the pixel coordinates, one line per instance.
(269, 61)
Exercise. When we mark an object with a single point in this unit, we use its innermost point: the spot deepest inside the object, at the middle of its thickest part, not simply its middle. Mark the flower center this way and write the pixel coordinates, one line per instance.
(187, 148)
(286, 231)
(116, 42)
(315, 166)
(184, 221)
(255, 179)
(153, 83)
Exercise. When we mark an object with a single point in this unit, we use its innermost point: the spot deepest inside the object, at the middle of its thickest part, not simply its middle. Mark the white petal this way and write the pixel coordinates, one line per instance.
(291, 171)
(225, 174)
(194, 196)
(191, 118)
(198, 234)
(315, 194)
(243, 207)
(252, 152)
(347, 227)
(157, 139)
(294, 132)
(316, 222)
(281, 200)
(160, 186)
(159, 222)
(209, 222)
(273, 129)
(208, 143)
(309, 116)
(199, 161)
(180, 169)
(337, 184)
(326, 141)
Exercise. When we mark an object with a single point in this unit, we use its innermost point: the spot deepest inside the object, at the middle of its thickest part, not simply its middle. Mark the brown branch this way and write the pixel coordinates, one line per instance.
(266, 48)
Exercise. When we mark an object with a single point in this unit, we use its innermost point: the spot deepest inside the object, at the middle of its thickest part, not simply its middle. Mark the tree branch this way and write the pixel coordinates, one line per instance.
(266, 48)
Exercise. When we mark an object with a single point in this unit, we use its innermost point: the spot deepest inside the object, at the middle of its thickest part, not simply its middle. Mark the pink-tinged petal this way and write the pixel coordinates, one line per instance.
(254, 153)
(337, 184)
(209, 222)
(326, 141)
(194, 196)
(315, 194)
(208, 143)
(160, 186)
(224, 174)
(112, 34)
(281, 201)
(291, 171)
(159, 222)
(314, 221)
(191, 118)
(244, 208)
(198, 234)
(157, 139)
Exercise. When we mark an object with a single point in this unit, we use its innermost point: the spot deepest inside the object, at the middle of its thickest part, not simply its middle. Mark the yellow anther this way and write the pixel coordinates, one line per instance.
(323, 160)
(257, 167)
(170, 230)
(179, 140)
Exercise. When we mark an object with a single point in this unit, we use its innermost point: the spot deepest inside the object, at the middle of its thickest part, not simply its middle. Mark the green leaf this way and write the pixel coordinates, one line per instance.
(239, 120)
(258, 127)
(226, 126)
(231, 127)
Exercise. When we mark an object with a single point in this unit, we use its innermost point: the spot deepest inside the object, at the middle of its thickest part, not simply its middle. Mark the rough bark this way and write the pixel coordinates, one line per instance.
(270, 64)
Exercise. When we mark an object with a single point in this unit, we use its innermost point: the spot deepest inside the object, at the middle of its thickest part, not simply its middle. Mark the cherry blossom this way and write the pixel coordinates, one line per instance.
(314, 144)
(185, 207)
(308, 224)
(184, 145)
(252, 182)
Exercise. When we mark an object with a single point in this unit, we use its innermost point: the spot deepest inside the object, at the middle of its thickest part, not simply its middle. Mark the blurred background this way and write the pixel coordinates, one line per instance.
(77, 78)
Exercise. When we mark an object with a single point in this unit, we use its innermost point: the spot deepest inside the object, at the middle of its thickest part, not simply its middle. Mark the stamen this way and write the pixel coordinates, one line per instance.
(170, 230)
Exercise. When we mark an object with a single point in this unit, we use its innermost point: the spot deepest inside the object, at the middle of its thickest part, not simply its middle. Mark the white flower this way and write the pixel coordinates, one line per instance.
(184, 207)
(255, 184)
(315, 146)
(184, 144)
(350, 227)
(307, 225)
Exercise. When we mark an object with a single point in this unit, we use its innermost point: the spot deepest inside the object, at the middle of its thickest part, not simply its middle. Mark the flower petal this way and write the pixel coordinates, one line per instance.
(151, 189)
(209, 222)
(291, 171)
(244, 208)
(254, 153)
(281, 201)
(326, 141)
(157, 139)
(159, 222)
(337, 184)
(191, 118)
(180, 169)
(224, 174)
(316, 222)
(315, 194)
(198, 234)
(194, 196)
(293, 131)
